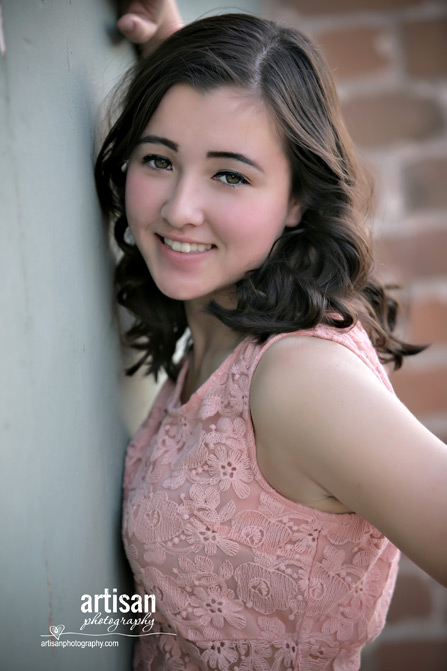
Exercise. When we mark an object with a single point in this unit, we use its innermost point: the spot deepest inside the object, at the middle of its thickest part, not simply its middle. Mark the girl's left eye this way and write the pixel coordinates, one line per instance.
(157, 162)
(230, 178)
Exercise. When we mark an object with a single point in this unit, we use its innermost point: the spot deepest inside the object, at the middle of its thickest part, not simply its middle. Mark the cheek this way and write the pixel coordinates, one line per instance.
(139, 200)
(260, 221)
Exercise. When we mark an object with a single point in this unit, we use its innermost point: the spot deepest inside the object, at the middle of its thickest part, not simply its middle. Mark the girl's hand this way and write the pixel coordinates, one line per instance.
(149, 22)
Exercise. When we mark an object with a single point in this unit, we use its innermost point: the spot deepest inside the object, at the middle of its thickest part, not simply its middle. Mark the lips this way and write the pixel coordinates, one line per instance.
(186, 247)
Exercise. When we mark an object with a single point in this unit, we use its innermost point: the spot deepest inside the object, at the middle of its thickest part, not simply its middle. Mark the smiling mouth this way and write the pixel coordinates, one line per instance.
(186, 247)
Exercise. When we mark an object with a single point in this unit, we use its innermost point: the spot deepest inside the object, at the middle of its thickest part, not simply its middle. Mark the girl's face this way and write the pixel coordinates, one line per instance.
(207, 191)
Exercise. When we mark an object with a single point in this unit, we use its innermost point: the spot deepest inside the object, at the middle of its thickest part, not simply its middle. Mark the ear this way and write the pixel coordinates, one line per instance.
(294, 213)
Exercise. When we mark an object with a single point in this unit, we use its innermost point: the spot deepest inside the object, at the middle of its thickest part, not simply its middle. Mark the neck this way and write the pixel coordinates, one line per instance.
(211, 338)
(213, 342)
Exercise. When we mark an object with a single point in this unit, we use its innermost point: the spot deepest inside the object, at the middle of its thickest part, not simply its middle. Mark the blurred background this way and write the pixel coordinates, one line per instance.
(389, 61)
(66, 409)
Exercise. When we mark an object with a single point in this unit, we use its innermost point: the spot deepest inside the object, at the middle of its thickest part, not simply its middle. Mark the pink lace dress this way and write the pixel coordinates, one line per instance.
(244, 579)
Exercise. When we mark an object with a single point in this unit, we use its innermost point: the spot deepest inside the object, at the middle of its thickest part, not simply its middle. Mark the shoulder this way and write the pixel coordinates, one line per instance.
(318, 410)
(309, 394)
(310, 401)
(302, 366)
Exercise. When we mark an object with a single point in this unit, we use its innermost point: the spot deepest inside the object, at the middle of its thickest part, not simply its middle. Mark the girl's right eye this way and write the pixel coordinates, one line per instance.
(157, 162)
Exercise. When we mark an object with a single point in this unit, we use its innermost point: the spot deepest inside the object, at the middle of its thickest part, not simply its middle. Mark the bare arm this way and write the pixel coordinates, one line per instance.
(318, 410)
(149, 22)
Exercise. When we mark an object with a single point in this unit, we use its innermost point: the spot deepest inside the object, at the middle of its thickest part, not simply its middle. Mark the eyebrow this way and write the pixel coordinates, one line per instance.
(156, 139)
(235, 157)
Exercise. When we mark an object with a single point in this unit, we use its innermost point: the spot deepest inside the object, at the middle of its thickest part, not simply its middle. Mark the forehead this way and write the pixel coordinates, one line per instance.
(225, 114)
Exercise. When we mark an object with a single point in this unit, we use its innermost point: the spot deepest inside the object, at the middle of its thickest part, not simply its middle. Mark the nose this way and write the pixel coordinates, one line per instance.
(184, 204)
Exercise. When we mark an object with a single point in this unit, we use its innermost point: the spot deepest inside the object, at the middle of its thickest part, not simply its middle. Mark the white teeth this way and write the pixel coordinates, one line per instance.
(186, 247)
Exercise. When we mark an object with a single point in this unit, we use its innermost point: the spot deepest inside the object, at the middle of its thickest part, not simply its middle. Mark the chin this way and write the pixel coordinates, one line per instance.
(182, 295)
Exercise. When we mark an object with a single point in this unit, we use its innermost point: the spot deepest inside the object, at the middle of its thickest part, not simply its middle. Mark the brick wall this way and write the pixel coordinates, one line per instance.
(389, 59)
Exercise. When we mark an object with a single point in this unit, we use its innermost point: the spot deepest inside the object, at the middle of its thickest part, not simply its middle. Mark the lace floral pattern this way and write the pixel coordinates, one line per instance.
(245, 579)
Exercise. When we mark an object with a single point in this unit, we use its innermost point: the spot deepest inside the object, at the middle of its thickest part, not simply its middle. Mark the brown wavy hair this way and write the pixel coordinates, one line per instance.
(319, 272)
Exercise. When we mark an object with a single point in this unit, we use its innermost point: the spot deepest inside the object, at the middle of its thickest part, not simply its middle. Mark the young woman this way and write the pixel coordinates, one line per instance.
(277, 474)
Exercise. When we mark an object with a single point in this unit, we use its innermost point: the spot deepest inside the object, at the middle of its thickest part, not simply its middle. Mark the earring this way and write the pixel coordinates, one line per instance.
(128, 237)
(124, 166)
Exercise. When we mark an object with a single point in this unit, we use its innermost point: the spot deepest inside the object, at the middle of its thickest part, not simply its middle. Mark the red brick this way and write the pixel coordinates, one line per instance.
(392, 117)
(318, 7)
(424, 392)
(413, 256)
(411, 655)
(426, 184)
(411, 599)
(425, 48)
(355, 51)
(428, 321)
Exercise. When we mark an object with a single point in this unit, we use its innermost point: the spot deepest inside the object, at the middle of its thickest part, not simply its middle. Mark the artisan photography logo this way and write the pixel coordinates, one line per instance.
(103, 609)
(107, 614)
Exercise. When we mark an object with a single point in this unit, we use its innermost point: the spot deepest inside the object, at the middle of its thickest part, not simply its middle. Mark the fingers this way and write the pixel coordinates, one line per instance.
(147, 23)
(136, 29)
